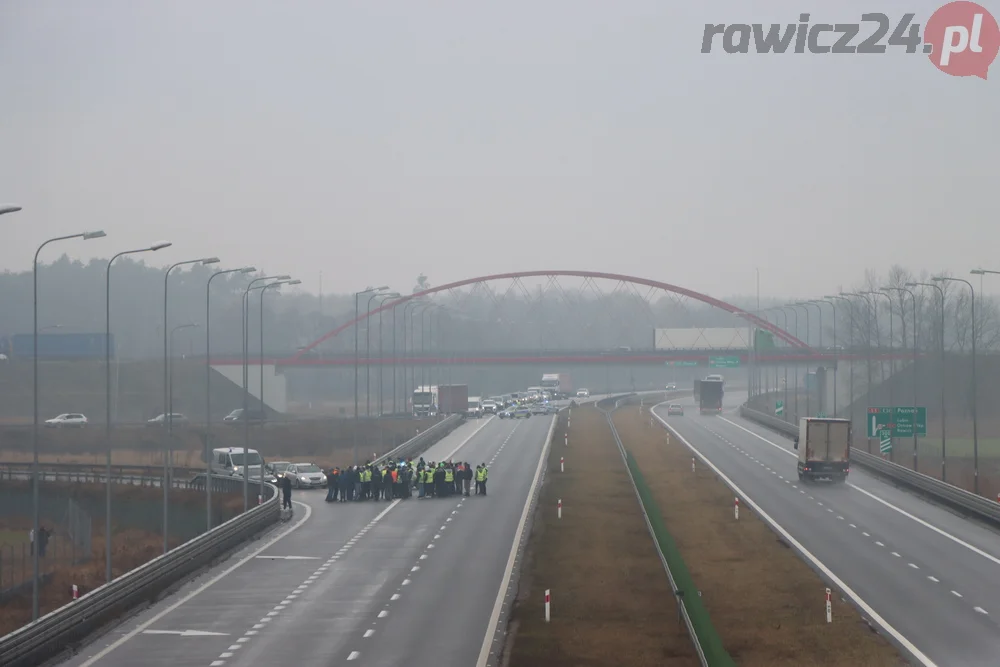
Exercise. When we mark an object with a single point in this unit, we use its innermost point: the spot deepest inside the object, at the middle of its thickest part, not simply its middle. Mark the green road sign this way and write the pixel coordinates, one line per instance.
(821, 415)
(901, 422)
(681, 363)
(724, 362)
(779, 408)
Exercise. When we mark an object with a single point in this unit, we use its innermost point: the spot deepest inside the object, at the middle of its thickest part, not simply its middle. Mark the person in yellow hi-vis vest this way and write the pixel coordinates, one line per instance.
(481, 475)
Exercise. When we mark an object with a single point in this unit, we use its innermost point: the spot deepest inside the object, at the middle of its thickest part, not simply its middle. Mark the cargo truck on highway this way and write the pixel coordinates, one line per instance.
(424, 401)
(453, 399)
(697, 390)
(558, 383)
(824, 447)
(710, 397)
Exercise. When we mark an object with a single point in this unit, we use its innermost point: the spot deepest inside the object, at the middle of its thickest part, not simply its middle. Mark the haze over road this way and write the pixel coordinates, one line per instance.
(932, 575)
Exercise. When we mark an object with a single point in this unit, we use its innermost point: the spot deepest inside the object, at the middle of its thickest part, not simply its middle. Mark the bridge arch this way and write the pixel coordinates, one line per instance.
(646, 282)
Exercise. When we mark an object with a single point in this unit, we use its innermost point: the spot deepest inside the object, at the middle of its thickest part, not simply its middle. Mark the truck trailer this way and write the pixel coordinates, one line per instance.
(559, 384)
(710, 397)
(453, 399)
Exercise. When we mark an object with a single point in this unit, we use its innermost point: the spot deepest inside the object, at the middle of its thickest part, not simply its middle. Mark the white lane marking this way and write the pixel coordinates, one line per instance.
(354, 655)
(907, 644)
(865, 534)
(227, 654)
(491, 626)
(914, 566)
(981, 610)
(201, 589)
(218, 663)
(934, 579)
(896, 554)
(368, 633)
(395, 596)
(956, 594)
(414, 568)
(879, 543)
(871, 495)
(423, 556)
(406, 582)
(383, 614)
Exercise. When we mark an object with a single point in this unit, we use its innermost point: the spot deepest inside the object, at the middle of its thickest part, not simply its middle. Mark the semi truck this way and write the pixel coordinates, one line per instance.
(824, 448)
(474, 409)
(697, 390)
(453, 399)
(559, 384)
(710, 397)
(424, 401)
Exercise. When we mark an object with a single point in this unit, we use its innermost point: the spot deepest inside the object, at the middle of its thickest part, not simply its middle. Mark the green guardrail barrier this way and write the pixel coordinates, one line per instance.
(711, 643)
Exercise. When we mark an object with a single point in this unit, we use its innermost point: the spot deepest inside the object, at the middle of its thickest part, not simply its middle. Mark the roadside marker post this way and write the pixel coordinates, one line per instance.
(548, 603)
(692, 464)
(562, 464)
(829, 608)
(559, 509)
(566, 442)
(76, 592)
(736, 508)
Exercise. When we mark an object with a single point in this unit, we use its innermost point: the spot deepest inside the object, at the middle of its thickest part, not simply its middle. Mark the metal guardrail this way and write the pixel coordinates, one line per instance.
(45, 638)
(681, 606)
(424, 440)
(968, 503)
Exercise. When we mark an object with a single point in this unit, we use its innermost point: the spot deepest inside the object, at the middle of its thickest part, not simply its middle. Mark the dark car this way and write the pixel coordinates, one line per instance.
(250, 415)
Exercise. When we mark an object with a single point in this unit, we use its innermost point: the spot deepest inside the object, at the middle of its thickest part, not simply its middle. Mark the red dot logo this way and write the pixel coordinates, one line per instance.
(964, 39)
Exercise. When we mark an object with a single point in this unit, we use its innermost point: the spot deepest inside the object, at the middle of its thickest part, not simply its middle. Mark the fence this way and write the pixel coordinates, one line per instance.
(65, 543)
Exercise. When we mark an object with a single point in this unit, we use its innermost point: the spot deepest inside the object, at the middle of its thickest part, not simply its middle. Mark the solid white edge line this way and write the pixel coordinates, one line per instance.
(922, 522)
(491, 627)
(201, 589)
(858, 600)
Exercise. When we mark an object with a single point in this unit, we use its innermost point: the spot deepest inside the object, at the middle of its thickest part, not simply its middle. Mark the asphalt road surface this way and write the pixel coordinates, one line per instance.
(376, 583)
(933, 576)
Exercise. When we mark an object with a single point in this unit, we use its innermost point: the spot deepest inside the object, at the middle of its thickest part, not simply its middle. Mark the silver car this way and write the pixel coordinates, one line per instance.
(305, 476)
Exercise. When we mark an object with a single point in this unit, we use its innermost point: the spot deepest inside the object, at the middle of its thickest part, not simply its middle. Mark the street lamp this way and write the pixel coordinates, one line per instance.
(832, 299)
(367, 290)
(868, 303)
(902, 317)
(394, 371)
(246, 421)
(975, 388)
(245, 321)
(892, 362)
(208, 388)
(944, 467)
(412, 365)
(381, 365)
(368, 356)
(86, 236)
(836, 352)
(793, 306)
(784, 319)
(107, 394)
(167, 420)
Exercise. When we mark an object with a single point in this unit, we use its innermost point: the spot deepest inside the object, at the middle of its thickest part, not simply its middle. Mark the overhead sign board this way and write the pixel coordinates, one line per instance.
(896, 422)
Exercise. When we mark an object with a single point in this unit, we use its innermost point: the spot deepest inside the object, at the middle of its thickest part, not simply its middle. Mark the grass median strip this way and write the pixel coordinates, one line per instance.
(611, 601)
(765, 602)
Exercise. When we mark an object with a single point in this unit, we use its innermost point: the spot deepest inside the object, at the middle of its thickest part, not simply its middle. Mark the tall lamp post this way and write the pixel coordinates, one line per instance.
(805, 305)
(411, 365)
(892, 362)
(394, 372)
(167, 420)
(850, 344)
(795, 313)
(868, 303)
(86, 236)
(784, 319)
(252, 285)
(944, 440)
(836, 351)
(902, 317)
(975, 387)
(107, 396)
(368, 350)
(357, 323)
(381, 365)
(208, 388)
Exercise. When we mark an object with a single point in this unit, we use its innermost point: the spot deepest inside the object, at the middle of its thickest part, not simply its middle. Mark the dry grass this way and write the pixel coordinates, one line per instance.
(130, 548)
(765, 602)
(611, 601)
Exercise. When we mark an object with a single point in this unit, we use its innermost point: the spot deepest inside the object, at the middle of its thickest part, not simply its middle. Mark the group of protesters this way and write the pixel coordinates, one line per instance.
(400, 479)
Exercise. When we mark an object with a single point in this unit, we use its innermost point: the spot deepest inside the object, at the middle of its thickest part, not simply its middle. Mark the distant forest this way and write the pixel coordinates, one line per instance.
(486, 316)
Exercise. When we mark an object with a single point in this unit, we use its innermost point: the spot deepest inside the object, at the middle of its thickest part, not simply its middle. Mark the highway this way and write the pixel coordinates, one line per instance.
(933, 577)
(373, 583)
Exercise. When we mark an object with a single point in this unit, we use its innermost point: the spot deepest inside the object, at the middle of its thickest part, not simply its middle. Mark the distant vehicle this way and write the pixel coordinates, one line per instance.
(551, 408)
(277, 468)
(558, 384)
(710, 397)
(453, 399)
(522, 411)
(824, 447)
(539, 408)
(671, 387)
(506, 413)
(424, 401)
(475, 407)
(233, 462)
(306, 475)
(238, 416)
(583, 393)
(176, 419)
(714, 378)
(67, 420)
(489, 407)
(675, 409)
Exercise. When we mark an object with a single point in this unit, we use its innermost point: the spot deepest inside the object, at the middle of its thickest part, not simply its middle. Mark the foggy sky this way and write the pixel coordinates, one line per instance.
(374, 141)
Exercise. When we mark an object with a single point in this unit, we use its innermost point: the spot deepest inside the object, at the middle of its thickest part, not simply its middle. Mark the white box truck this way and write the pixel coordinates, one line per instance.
(824, 447)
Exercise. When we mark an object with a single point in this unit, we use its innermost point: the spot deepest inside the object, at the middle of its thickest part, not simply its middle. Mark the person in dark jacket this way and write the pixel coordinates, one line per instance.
(345, 484)
(286, 492)
(332, 483)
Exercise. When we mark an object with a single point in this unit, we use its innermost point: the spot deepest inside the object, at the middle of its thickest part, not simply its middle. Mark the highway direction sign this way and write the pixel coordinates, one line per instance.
(900, 422)
(681, 363)
(779, 408)
(724, 362)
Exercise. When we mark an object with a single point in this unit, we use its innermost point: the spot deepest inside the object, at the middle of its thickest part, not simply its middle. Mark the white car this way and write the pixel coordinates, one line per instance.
(67, 420)
(305, 476)
(583, 393)
(671, 387)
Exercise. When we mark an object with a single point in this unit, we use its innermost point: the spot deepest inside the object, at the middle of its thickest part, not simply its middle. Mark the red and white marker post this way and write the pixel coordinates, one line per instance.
(829, 607)
(76, 592)
(559, 509)
(566, 441)
(562, 464)
(736, 508)
(548, 604)
(692, 461)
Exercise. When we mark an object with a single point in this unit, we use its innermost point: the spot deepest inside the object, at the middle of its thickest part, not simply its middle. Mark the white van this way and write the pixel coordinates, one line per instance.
(232, 461)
